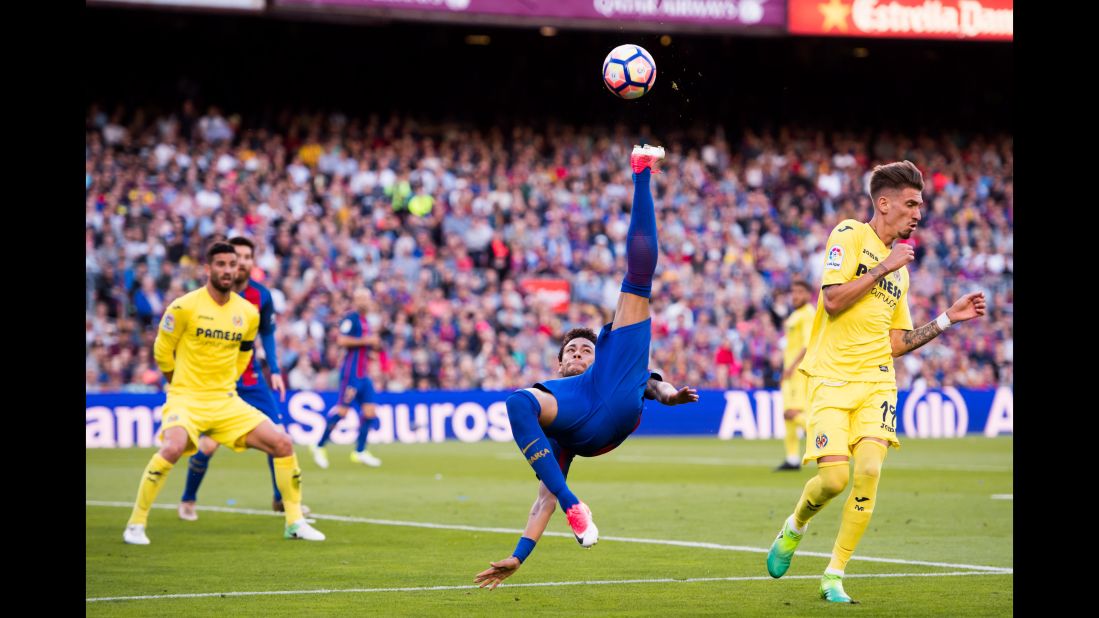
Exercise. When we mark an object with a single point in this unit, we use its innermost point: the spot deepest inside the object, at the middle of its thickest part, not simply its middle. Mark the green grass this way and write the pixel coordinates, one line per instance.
(934, 505)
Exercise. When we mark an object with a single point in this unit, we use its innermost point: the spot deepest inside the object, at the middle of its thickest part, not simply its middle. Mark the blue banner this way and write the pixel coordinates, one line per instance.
(120, 420)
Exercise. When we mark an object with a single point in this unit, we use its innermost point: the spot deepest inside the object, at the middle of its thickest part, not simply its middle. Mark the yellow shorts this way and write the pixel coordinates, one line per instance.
(795, 392)
(842, 413)
(227, 420)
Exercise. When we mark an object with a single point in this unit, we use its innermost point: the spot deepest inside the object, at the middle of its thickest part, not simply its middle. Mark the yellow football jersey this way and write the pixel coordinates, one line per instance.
(205, 343)
(854, 345)
(798, 327)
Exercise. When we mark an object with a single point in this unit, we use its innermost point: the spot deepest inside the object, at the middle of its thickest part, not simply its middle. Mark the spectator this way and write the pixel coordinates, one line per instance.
(148, 302)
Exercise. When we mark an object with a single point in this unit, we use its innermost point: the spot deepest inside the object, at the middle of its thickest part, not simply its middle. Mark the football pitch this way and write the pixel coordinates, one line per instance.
(684, 527)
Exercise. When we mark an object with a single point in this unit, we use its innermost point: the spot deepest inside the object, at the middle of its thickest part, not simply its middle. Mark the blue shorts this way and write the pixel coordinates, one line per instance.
(262, 398)
(598, 409)
(356, 392)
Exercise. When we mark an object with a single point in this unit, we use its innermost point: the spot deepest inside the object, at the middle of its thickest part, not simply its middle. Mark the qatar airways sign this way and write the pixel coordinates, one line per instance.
(978, 20)
(738, 14)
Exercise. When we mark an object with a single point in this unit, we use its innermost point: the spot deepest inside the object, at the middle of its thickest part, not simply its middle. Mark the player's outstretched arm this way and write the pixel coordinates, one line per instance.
(669, 395)
(970, 306)
(540, 513)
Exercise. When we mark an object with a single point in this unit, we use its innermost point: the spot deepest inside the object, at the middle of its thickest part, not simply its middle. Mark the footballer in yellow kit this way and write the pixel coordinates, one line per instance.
(862, 323)
(203, 344)
(849, 361)
(797, 327)
(208, 341)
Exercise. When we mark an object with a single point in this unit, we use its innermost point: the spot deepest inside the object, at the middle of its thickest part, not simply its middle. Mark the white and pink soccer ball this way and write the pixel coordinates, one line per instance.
(629, 71)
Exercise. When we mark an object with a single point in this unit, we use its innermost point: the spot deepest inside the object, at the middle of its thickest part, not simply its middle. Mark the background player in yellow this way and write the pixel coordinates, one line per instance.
(203, 345)
(861, 323)
(798, 326)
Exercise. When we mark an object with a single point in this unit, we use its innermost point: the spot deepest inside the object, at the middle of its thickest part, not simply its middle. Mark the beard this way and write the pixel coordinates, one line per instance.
(219, 286)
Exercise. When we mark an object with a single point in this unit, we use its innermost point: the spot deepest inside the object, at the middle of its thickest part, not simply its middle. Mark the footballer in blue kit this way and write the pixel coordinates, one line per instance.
(356, 389)
(598, 401)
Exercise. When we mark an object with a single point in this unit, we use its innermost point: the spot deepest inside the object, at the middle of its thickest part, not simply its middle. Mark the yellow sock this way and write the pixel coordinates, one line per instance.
(799, 420)
(830, 481)
(288, 479)
(152, 479)
(791, 440)
(860, 504)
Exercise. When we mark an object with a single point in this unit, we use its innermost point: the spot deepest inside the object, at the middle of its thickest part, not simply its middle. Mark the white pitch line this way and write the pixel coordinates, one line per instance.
(606, 582)
(1003, 496)
(692, 544)
(724, 461)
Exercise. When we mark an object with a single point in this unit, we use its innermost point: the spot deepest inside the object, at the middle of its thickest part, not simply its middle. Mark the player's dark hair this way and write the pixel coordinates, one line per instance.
(218, 247)
(585, 333)
(240, 241)
(801, 283)
(899, 175)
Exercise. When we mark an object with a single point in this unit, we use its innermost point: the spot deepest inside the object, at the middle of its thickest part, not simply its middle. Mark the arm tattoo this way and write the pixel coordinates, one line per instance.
(916, 338)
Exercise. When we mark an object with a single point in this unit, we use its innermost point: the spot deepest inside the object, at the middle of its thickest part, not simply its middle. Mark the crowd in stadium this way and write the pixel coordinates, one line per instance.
(444, 223)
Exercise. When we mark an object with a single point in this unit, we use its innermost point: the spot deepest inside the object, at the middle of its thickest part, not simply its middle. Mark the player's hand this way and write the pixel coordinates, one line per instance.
(970, 306)
(787, 373)
(683, 395)
(901, 255)
(498, 572)
(279, 385)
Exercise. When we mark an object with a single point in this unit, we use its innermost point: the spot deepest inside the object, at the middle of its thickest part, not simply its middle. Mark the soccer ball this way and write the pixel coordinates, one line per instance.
(629, 71)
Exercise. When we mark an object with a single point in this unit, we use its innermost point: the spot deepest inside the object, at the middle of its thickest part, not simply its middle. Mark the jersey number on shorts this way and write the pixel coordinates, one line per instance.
(887, 408)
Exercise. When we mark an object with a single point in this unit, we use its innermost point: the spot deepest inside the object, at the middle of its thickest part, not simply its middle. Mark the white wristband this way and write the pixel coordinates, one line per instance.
(943, 321)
